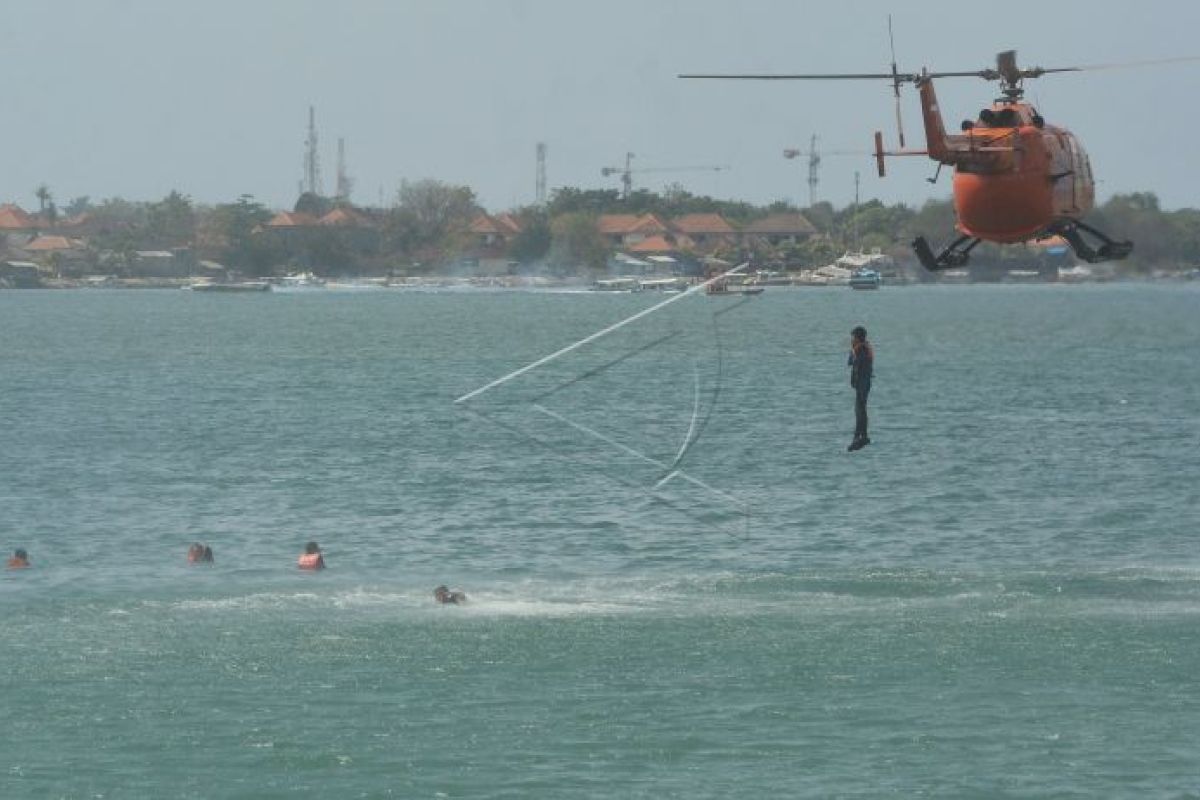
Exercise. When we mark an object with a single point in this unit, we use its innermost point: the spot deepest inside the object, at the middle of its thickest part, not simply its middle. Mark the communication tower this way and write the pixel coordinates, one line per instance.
(539, 193)
(345, 184)
(312, 163)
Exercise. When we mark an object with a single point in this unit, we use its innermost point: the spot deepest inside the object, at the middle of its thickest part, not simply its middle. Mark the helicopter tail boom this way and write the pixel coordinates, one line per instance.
(936, 139)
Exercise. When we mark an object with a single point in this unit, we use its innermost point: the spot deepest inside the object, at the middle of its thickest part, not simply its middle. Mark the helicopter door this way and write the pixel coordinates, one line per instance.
(1062, 169)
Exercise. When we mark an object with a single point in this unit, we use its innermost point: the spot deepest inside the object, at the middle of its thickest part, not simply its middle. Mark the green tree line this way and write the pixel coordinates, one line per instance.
(425, 229)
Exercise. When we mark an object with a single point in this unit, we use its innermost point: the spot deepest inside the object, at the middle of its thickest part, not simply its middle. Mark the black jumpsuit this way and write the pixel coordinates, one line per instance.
(862, 368)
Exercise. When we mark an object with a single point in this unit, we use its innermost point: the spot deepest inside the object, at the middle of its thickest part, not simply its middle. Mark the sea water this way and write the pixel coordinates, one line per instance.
(680, 582)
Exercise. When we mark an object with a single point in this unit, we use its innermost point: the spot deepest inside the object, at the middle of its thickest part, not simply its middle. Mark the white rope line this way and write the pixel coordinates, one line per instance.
(598, 334)
(687, 439)
(642, 456)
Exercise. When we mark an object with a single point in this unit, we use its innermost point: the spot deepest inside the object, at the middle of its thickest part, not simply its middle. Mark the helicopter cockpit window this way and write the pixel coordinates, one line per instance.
(1004, 118)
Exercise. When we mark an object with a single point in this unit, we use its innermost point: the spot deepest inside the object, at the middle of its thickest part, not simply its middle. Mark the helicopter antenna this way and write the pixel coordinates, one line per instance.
(895, 83)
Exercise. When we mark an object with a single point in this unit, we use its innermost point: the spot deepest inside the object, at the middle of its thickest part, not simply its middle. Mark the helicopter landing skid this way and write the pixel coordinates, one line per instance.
(953, 255)
(1109, 250)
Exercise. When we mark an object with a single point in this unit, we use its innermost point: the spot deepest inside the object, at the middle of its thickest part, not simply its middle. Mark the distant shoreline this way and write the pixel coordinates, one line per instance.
(527, 283)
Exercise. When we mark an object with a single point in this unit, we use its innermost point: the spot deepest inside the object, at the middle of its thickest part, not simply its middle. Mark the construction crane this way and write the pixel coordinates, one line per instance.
(814, 161)
(627, 171)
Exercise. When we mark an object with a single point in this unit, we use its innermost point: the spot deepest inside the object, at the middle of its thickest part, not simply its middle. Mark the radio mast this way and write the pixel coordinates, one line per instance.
(312, 163)
(539, 193)
(345, 184)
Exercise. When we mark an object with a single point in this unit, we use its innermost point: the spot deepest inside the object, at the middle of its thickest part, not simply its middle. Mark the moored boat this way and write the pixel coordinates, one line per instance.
(241, 286)
(302, 280)
(864, 278)
(723, 287)
(617, 285)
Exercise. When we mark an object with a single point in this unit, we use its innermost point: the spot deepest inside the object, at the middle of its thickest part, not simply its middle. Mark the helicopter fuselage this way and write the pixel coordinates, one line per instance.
(1015, 177)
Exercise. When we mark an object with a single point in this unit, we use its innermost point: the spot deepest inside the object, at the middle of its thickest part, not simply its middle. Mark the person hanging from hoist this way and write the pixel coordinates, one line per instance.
(862, 369)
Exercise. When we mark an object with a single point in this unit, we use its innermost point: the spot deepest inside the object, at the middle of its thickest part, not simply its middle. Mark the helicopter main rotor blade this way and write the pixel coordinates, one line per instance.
(986, 74)
(894, 78)
(1124, 64)
(858, 76)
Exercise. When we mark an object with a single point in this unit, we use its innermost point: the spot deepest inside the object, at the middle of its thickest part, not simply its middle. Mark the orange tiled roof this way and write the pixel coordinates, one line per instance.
(500, 225)
(46, 244)
(702, 223)
(652, 244)
(14, 217)
(291, 219)
(649, 223)
(510, 222)
(610, 224)
(342, 216)
(483, 224)
(782, 225)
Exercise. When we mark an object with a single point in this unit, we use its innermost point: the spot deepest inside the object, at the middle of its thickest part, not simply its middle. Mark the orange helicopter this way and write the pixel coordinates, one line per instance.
(1016, 178)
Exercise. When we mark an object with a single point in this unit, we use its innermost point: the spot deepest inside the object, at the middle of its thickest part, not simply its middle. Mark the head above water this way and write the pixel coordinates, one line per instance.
(442, 594)
(312, 547)
(20, 553)
(859, 334)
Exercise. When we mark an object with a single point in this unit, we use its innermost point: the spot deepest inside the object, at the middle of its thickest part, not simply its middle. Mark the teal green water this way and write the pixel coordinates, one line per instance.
(1000, 597)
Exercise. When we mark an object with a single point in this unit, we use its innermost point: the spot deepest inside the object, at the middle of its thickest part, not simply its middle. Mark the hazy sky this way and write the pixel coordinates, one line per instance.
(138, 97)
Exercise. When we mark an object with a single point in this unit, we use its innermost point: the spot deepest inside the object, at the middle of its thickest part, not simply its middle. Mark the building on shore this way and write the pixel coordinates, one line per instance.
(707, 232)
(20, 275)
(14, 221)
(491, 236)
(775, 230)
(63, 256)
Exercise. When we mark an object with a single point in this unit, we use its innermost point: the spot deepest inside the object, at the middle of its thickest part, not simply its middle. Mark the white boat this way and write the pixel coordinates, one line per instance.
(617, 285)
(723, 288)
(663, 284)
(302, 280)
(242, 286)
(856, 269)
(858, 259)
(831, 274)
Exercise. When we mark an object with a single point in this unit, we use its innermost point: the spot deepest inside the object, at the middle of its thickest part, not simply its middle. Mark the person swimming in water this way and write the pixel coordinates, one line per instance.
(862, 369)
(311, 558)
(199, 554)
(442, 594)
(19, 560)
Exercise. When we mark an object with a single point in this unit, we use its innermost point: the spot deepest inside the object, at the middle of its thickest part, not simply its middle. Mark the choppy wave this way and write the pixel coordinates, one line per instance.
(881, 592)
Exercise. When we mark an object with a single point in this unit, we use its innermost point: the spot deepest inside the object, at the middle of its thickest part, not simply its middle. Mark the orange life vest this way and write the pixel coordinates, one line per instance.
(17, 563)
(311, 561)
